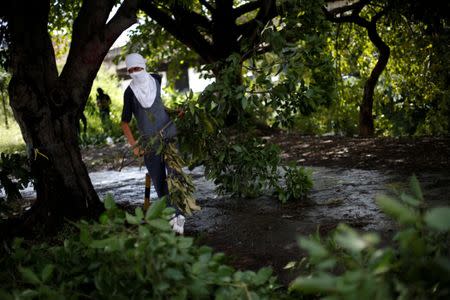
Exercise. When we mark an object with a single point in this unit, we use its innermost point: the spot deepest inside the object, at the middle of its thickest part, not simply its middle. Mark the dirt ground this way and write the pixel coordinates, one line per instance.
(349, 172)
(400, 154)
(406, 155)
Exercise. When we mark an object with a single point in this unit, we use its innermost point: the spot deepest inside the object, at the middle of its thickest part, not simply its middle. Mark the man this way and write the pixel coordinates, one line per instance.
(103, 103)
(142, 99)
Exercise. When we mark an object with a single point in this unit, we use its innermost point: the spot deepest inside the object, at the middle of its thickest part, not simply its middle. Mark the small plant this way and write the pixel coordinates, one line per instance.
(298, 183)
(352, 265)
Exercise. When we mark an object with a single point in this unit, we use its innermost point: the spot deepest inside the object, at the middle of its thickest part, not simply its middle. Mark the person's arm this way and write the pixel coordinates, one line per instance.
(126, 118)
(130, 138)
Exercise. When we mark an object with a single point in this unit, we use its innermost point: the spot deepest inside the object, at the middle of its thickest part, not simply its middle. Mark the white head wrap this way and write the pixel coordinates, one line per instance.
(142, 84)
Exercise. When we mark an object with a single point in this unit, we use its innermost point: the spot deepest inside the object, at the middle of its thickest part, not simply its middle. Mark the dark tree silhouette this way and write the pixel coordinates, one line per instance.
(47, 105)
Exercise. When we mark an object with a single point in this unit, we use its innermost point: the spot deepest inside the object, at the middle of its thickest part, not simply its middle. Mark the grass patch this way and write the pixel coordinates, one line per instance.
(11, 138)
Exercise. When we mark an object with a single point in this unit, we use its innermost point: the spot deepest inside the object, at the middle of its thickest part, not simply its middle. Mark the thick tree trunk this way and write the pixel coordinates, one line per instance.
(366, 124)
(47, 106)
(46, 114)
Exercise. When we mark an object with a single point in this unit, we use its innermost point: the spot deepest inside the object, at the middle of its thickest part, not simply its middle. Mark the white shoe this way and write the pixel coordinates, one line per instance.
(177, 223)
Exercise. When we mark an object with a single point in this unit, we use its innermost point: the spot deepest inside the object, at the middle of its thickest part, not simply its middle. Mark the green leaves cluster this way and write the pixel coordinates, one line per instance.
(127, 256)
(298, 183)
(180, 184)
(239, 162)
(246, 168)
(352, 265)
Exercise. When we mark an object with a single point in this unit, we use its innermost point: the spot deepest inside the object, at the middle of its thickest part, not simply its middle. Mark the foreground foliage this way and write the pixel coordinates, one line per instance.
(126, 256)
(352, 265)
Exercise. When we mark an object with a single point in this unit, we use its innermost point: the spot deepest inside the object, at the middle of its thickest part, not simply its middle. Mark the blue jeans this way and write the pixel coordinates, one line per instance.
(156, 167)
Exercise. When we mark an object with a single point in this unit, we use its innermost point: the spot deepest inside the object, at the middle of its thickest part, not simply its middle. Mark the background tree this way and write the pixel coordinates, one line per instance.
(350, 12)
(47, 105)
(216, 30)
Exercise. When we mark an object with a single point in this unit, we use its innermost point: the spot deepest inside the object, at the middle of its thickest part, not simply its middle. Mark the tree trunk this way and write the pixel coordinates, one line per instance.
(47, 106)
(366, 125)
(46, 112)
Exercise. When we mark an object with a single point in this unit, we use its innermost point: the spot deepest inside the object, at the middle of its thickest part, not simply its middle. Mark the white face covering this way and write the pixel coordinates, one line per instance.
(144, 88)
(142, 84)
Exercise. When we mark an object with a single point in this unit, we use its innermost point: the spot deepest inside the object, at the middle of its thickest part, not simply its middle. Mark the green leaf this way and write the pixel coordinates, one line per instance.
(109, 202)
(185, 242)
(244, 102)
(29, 276)
(29, 293)
(47, 272)
(85, 237)
(313, 247)
(144, 232)
(396, 210)
(351, 241)
(160, 224)
(132, 219)
(262, 276)
(322, 283)
(415, 187)
(326, 264)
(139, 213)
(174, 274)
(103, 218)
(410, 200)
(438, 218)
(155, 209)
(237, 148)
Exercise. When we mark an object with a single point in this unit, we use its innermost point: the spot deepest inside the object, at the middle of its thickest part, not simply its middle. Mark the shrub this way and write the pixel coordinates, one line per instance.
(298, 183)
(127, 256)
(352, 265)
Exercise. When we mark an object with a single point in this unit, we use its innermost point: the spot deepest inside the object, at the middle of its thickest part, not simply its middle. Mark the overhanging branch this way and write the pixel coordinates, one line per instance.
(246, 8)
(180, 28)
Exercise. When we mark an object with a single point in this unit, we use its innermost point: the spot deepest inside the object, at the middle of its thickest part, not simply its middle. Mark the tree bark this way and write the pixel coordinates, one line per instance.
(47, 106)
(41, 105)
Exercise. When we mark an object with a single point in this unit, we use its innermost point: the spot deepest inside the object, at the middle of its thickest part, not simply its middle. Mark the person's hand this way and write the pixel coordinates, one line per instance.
(180, 113)
(138, 152)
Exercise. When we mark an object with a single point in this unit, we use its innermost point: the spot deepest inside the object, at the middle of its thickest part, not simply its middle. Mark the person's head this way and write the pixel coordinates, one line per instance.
(100, 91)
(135, 63)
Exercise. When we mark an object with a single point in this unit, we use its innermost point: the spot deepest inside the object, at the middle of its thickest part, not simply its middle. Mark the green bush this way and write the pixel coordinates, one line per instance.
(127, 256)
(352, 265)
(298, 184)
